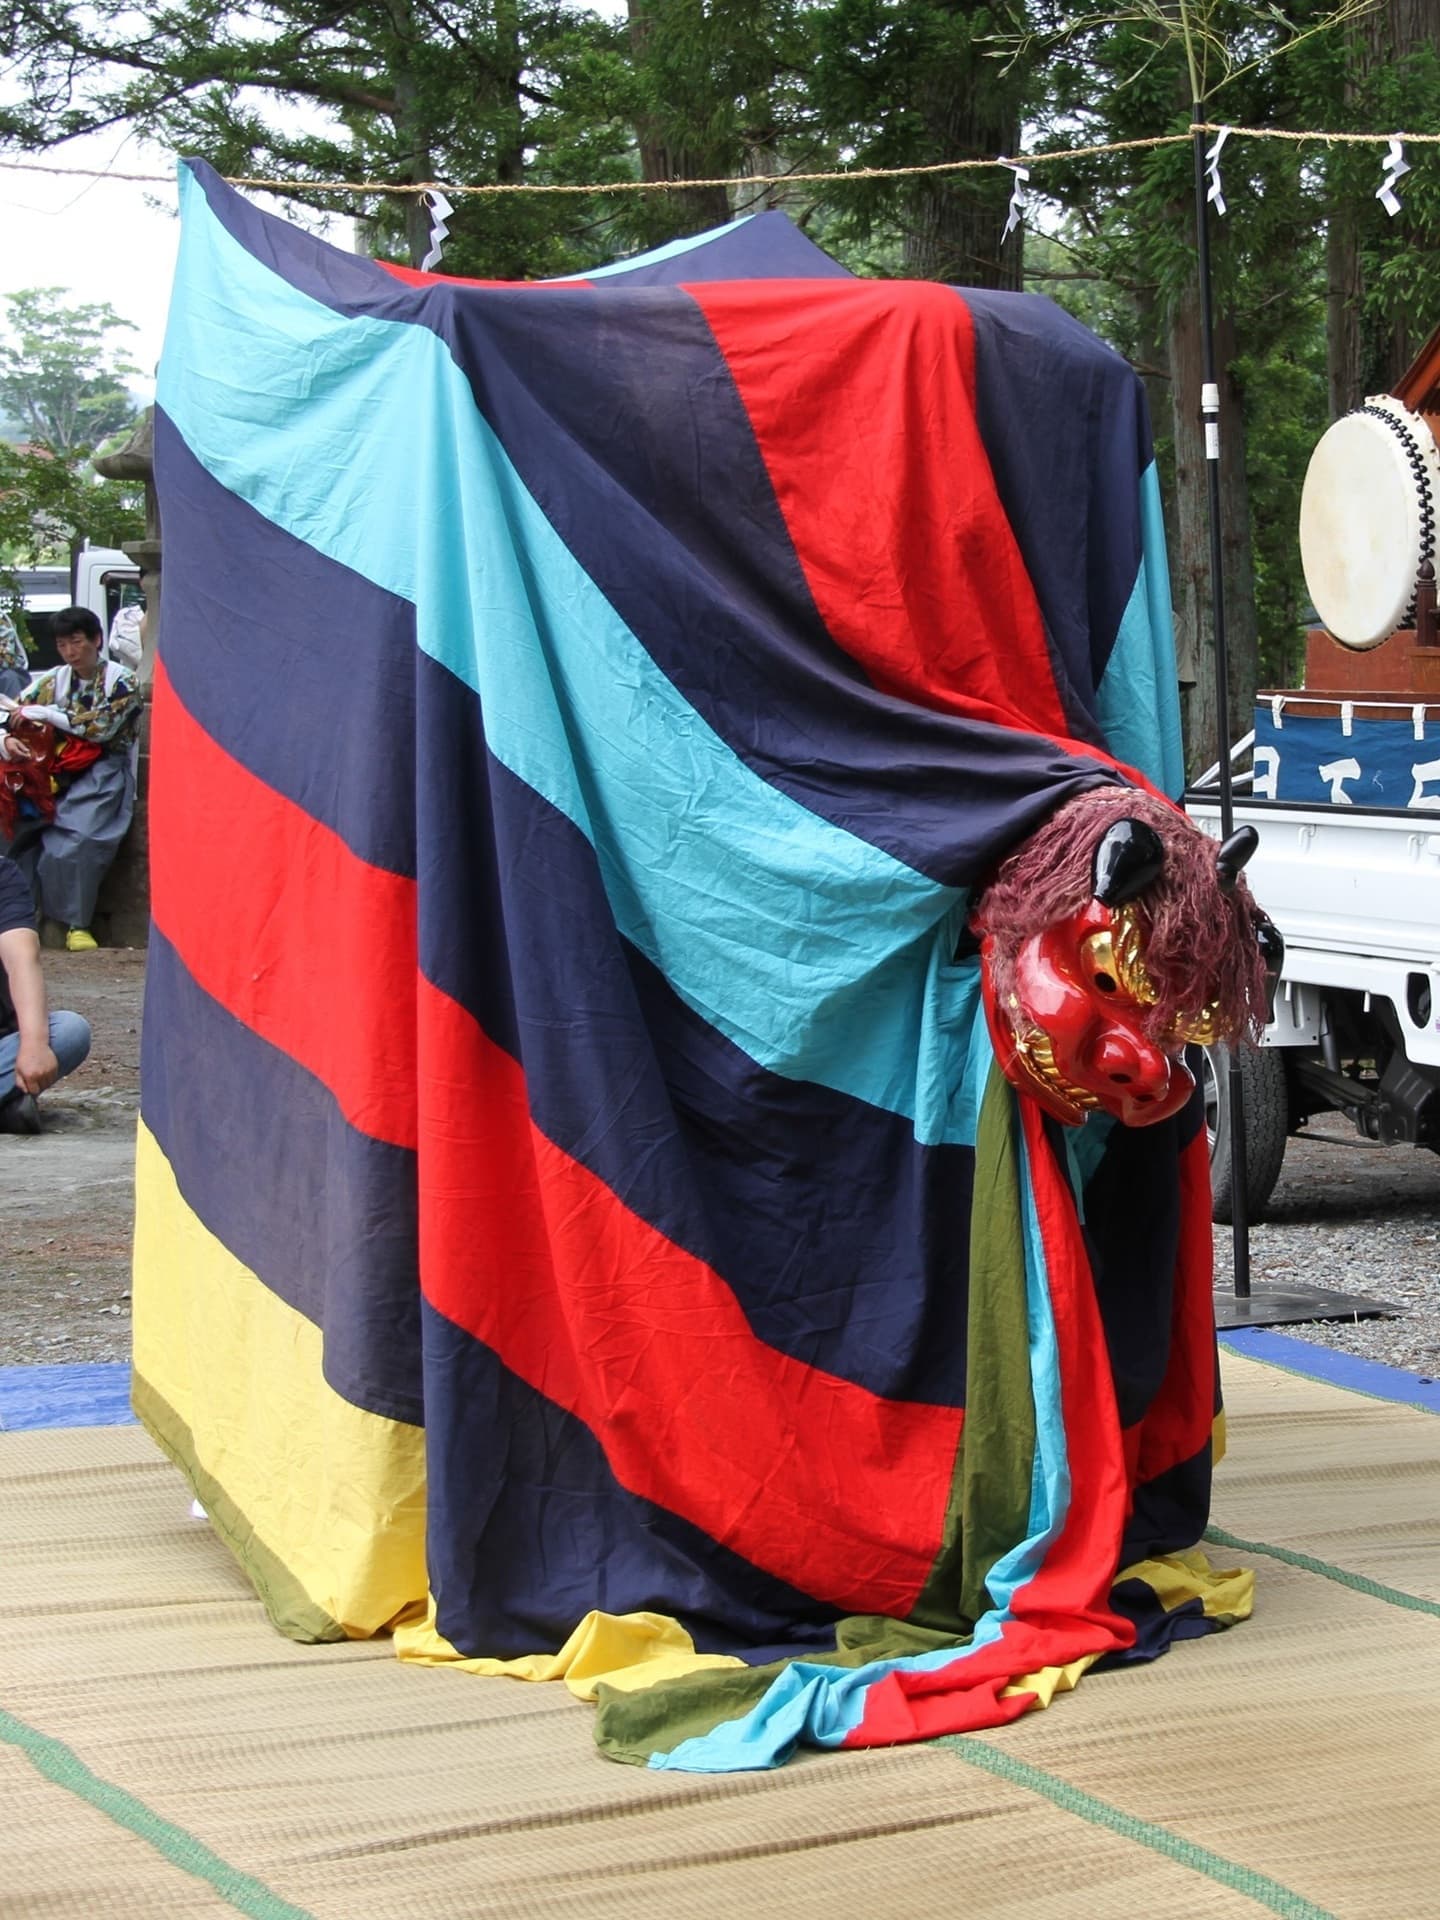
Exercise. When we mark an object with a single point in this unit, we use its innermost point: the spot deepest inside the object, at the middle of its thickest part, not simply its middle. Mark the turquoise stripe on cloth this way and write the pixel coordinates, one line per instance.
(1050, 1486)
(1138, 698)
(822, 1706)
(670, 251)
(819, 955)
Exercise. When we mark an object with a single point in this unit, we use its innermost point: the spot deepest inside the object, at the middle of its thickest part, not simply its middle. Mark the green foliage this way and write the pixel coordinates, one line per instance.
(470, 91)
(1129, 225)
(1399, 257)
(61, 382)
(1285, 414)
(545, 91)
(1058, 265)
(47, 509)
(907, 83)
(61, 379)
(718, 89)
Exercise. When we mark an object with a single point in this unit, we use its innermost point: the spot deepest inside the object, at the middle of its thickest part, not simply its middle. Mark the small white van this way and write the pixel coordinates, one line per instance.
(104, 580)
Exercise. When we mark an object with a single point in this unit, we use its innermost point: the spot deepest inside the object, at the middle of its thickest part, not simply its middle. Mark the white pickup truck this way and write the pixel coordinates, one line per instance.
(1356, 892)
(1341, 780)
(101, 578)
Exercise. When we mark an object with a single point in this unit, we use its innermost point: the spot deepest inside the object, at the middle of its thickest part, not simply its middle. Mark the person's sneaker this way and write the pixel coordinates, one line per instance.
(19, 1113)
(80, 940)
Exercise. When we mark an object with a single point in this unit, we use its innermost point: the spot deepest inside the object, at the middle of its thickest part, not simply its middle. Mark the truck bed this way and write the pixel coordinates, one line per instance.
(1356, 893)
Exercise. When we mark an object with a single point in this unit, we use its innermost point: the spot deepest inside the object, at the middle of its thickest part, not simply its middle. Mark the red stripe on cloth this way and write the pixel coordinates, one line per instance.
(1179, 1421)
(1063, 1612)
(413, 277)
(887, 489)
(811, 1478)
(308, 945)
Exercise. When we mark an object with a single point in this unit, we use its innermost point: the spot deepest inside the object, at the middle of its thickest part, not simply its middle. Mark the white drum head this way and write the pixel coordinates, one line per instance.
(1367, 519)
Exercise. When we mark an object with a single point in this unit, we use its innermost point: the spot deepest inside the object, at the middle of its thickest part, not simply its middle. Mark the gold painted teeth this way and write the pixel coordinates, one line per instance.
(1037, 1050)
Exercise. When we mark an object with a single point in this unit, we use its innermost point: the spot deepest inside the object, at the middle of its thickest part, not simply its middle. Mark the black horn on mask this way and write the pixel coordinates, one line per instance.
(1272, 952)
(1129, 858)
(1233, 856)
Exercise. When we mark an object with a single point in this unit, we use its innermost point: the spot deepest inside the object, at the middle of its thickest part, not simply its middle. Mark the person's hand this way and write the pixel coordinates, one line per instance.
(11, 749)
(36, 1067)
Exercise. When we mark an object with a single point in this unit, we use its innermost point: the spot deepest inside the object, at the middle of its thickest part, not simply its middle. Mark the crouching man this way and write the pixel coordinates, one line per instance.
(35, 1049)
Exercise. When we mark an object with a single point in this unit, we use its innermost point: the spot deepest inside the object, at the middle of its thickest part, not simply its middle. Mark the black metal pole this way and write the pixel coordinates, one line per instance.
(1210, 411)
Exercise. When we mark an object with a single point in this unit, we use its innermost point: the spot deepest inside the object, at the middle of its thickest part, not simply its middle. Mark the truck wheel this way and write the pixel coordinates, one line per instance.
(1265, 1092)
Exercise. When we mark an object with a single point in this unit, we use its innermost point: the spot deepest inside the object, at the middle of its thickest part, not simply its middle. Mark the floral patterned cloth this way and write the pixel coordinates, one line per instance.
(106, 709)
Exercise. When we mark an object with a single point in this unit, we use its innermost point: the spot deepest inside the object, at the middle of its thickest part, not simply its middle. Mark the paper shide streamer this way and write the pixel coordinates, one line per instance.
(1215, 195)
(1017, 197)
(440, 212)
(1394, 165)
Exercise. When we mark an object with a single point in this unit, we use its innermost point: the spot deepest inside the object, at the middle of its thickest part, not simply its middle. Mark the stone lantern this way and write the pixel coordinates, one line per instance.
(136, 461)
(123, 910)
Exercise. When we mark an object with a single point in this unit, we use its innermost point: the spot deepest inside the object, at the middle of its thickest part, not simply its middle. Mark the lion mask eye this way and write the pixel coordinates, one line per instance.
(1112, 960)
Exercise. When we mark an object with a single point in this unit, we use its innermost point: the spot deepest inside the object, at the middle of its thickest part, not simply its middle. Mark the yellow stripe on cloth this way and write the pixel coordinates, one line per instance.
(1046, 1682)
(322, 1503)
(1226, 1594)
(624, 1650)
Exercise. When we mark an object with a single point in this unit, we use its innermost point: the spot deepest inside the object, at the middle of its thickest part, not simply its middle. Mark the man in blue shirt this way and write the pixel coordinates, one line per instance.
(36, 1048)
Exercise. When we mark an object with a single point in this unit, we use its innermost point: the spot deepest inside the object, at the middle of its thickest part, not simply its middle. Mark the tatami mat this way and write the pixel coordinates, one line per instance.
(164, 1751)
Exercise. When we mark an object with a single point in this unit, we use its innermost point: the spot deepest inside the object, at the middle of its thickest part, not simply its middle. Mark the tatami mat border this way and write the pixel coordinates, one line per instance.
(1308, 1563)
(61, 1765)
(1336, 1369)
(1259, 1887)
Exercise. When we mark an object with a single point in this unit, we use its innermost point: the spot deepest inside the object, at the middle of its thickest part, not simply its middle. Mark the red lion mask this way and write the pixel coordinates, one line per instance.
(1115, 936)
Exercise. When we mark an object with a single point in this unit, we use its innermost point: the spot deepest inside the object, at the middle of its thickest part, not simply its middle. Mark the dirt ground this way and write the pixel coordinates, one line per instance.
(67, 1196)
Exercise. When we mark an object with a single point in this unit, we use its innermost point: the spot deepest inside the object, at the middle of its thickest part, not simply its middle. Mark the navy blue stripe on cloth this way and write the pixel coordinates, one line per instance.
(844, 1240)
(767, 246)
(1132, 1233)
(524, 1538)
(1075, 522)
(1169, 1511)
(300, 669)
(1156, 1627)
(721, 604)
(334, 1234)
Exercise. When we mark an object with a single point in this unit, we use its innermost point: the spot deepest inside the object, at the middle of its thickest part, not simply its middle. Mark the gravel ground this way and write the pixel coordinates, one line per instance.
(1357, 1219)
(1348, 1216)
(67, 1196)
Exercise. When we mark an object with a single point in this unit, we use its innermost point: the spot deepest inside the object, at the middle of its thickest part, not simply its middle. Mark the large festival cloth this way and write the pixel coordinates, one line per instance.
(580, 1224)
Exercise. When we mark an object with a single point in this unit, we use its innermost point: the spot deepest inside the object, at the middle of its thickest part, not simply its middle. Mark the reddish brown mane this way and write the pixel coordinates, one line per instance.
(1201, 948)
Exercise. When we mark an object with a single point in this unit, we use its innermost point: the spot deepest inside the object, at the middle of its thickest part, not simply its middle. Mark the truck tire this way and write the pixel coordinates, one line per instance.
(1266, 1094)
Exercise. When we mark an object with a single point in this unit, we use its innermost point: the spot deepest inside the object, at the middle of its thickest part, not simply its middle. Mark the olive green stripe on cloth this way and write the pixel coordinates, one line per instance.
(989, 1511)
(1307, 1562)
(633, 1723)
(284, 1598)
(1258, 1887)
(60, 1764)
(989, 1504)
